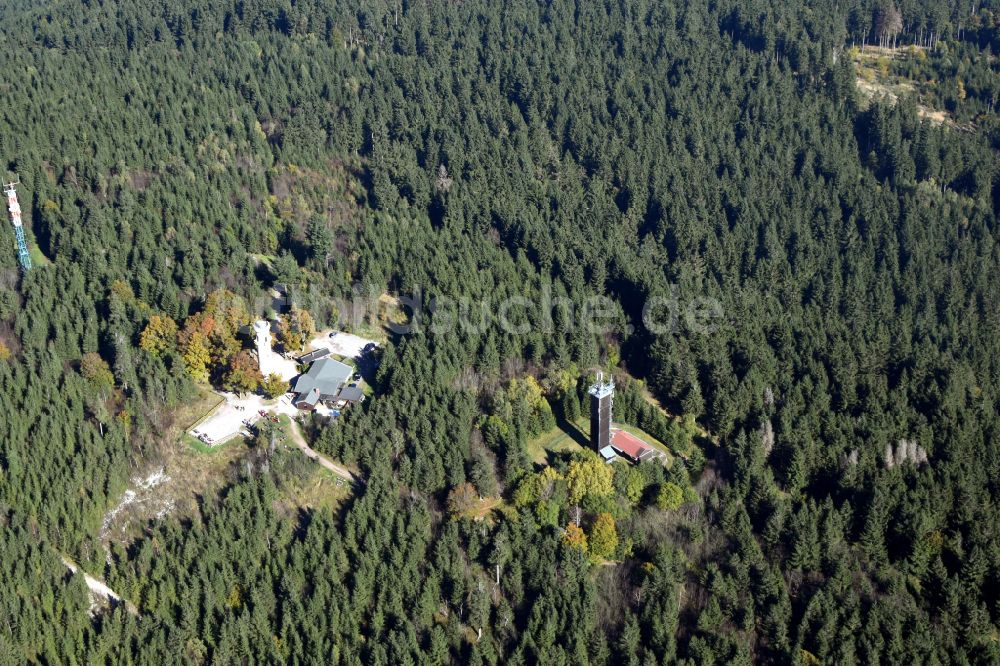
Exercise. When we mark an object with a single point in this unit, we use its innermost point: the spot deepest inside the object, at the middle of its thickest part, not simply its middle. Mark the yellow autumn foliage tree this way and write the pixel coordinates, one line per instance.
(197, 356)
(588, 476)
(208, 340)
(96, 370)
(296, 328)
(159, 335)
(273, 385)
(603, 539)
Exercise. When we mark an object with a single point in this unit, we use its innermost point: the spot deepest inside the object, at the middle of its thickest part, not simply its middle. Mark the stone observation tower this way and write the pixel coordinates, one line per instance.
(262, 332)
(270, 361)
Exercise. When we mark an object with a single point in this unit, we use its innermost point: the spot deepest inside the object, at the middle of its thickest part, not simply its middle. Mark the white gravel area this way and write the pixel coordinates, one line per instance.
(342, 344)
(228, 418)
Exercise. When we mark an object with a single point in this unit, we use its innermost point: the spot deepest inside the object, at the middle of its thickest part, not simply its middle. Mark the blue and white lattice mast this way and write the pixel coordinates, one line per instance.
(15, 216)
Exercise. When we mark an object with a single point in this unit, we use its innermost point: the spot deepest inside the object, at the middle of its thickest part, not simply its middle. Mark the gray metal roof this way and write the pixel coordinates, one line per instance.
(350, 393)
(313, 356)
(326, 375)
(310, 398)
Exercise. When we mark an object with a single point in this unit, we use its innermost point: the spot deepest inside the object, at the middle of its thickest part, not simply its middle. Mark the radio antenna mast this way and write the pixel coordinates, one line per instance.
(15, 217)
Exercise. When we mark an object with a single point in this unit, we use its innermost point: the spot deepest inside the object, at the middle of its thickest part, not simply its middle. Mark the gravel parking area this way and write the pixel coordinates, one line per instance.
(342, 344)
(228, 419)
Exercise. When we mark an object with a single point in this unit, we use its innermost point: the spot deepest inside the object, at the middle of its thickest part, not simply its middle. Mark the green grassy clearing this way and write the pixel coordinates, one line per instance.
(199, 409)
(318, 489)
(37, 258)
(571, 437)
(565, 437)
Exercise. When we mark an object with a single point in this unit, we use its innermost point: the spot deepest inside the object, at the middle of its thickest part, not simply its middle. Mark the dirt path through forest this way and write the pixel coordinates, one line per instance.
(99, 588)
(300, 441)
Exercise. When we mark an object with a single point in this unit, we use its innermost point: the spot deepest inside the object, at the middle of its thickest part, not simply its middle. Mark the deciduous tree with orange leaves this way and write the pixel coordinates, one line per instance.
(575, 537)
(243, 374)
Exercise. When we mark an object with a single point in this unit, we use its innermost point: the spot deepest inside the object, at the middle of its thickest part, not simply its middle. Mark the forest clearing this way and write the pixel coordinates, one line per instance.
(906, 72)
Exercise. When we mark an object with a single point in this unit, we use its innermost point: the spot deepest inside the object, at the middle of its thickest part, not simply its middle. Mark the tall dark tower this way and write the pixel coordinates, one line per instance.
(601, 395)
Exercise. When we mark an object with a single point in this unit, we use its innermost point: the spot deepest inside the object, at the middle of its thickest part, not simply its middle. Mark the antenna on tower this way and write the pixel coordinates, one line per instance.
(15, 217)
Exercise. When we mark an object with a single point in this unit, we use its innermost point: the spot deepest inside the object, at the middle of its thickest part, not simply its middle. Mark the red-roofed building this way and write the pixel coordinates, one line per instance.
(631, 447)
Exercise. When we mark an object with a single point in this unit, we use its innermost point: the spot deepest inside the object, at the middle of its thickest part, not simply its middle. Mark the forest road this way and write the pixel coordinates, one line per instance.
(98, 587)
(300, 441)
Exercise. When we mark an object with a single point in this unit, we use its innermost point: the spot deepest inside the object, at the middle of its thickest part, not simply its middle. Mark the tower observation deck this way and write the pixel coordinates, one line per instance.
(15, 217)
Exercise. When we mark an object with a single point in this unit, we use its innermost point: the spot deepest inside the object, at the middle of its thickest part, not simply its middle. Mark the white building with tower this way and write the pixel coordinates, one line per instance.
(270, 362)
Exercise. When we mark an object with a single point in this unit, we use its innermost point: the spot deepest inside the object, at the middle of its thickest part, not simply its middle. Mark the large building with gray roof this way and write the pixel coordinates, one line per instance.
(321, 383)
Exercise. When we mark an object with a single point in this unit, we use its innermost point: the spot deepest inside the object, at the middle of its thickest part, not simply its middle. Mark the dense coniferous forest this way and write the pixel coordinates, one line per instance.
(832, 496)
